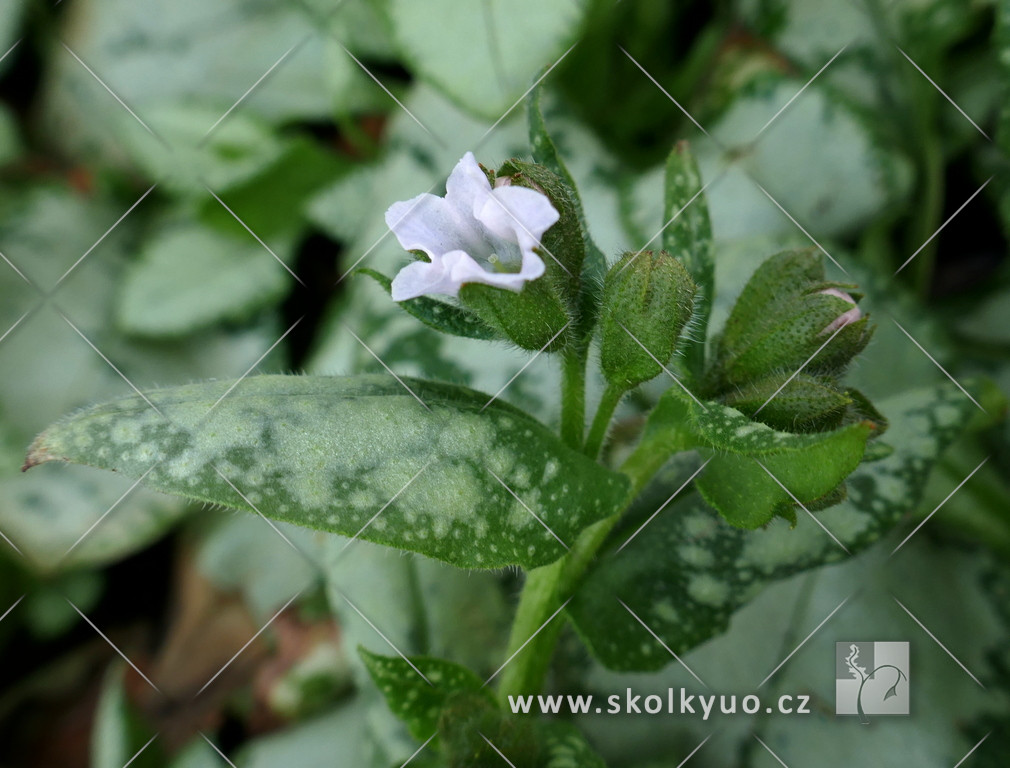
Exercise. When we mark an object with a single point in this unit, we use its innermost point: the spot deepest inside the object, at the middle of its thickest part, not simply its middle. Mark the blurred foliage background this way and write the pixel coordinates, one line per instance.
(184, 192)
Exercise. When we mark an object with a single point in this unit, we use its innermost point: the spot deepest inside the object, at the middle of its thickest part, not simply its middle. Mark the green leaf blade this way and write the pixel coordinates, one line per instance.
(435, 470)
(687, 572)
(417, 689)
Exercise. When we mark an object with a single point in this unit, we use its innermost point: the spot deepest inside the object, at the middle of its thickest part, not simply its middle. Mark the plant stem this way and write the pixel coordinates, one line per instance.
(598, 431)
(573, 394)
(536, 628)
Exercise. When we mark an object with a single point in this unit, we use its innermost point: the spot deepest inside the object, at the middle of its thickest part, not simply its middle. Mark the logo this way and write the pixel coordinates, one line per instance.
(871, 679)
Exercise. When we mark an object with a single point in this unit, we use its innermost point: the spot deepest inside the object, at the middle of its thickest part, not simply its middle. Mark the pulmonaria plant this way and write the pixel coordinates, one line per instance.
(760, 412)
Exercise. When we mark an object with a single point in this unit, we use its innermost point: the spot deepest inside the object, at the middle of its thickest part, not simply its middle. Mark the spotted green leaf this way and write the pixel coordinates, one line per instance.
(436, 469)
(417, 689)
(749, 462)
(439, 315)
(686, 572)
(689, 237)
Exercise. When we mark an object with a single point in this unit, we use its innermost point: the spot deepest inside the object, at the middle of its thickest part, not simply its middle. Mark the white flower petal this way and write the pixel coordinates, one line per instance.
(518, 214)
(428, 223)
(466, 185)
(464, 269)
(845, 318)
(422, 278)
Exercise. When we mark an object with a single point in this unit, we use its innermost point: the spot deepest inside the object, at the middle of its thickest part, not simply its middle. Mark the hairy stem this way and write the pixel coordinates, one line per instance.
(573, 395)
(598, 431)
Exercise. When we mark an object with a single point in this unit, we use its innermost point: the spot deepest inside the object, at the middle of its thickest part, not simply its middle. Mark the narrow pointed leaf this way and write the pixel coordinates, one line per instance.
(452, 478)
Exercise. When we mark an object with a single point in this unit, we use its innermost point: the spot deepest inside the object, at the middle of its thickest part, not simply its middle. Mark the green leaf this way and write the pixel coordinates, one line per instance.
(687, 571)
(439, 315)
(472, 52)
(566, 747)
(436, 470)
(809, 465)
(689, 237)
(189, 278)
(417, 689)
(118, 734)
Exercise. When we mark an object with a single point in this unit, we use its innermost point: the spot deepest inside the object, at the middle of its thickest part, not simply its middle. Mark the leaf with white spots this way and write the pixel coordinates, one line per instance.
(811, 466)
(687, 570)
(417, 689)
(435, 470)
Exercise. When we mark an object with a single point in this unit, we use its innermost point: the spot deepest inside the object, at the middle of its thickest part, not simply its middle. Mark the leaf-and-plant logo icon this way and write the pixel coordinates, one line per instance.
(871, 679)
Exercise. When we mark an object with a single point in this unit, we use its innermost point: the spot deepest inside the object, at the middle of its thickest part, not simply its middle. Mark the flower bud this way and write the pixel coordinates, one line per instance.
(648, 298)
(787, 318)
(802, 404)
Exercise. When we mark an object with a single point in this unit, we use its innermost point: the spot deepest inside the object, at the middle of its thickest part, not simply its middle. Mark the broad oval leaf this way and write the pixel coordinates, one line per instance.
(435, 469)
(687, 571)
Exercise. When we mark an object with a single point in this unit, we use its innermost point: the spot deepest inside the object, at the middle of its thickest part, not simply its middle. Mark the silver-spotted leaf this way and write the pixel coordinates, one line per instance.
(434, 470)
(687, 571)
(417, 689)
